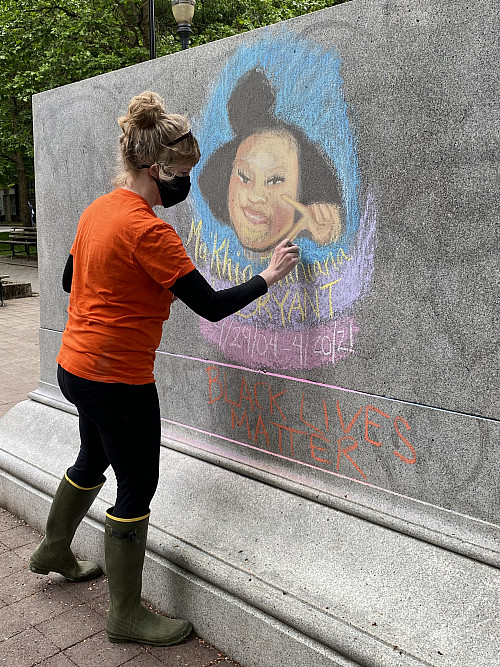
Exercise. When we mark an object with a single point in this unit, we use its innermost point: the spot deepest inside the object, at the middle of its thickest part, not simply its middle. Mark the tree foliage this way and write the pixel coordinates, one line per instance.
(222, 18)
(49, 43)
(45, 44)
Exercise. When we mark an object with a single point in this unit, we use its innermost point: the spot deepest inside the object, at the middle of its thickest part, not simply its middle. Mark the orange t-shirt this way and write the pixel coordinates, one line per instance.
(124, 261)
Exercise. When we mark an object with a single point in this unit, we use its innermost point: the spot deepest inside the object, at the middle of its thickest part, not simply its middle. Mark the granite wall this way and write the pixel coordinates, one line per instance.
(367, 378)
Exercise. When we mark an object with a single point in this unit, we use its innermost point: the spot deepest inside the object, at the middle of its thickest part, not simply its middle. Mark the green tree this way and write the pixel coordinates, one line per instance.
(44, 44)
(7, 181)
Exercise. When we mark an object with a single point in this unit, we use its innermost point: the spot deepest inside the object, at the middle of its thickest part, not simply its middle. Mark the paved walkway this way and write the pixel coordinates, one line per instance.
(19, 351)
(48, 621)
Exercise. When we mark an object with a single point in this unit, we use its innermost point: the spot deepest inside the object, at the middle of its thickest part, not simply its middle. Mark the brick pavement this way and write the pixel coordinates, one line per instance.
(19, 351)
(48, 621)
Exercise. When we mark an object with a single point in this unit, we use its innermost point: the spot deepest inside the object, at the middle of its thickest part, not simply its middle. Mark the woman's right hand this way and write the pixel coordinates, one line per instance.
(285, 257)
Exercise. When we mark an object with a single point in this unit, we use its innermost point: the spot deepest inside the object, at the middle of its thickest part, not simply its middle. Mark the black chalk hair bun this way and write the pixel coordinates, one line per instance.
(251, 105)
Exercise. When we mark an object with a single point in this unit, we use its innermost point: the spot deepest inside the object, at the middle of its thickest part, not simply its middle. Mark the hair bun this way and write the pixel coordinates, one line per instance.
(251, 104)
(145, 110)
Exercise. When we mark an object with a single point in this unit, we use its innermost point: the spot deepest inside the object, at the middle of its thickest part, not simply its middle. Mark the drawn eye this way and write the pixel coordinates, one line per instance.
(274, 180)
(243, 177)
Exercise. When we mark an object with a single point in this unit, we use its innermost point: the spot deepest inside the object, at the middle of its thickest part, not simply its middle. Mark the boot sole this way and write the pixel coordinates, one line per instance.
(38, 570)
(120, 639)
(41, 570)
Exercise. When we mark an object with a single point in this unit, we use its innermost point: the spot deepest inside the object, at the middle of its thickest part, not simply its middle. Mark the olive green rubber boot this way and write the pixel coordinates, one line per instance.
(53, 554)
(128, 620)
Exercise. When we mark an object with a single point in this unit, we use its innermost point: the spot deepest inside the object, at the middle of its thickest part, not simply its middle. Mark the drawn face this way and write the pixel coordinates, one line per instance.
(265, 167)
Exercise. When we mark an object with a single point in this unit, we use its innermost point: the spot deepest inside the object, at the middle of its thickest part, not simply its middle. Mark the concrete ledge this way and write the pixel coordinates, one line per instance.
(13, 290)
(342, 592)
(180, 593)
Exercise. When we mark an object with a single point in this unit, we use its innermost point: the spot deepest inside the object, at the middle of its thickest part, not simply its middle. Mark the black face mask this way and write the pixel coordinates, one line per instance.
(174, 191)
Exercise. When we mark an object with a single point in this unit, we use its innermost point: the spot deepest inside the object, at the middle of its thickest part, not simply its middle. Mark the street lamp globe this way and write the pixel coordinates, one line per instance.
(183, 11)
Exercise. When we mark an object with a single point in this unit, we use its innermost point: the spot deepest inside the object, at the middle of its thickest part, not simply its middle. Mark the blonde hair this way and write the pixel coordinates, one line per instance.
(147, 130)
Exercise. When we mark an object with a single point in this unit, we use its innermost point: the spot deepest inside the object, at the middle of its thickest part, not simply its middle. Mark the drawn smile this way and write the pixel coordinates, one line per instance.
(255, 217)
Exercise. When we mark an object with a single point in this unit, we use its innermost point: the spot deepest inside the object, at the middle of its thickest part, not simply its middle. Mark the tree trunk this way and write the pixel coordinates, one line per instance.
(24, 213)
(135, 19)
(7, 209)
(143, 25)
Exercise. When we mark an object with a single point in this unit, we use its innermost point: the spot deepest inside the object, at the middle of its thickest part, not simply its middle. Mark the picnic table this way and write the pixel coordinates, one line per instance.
(25, 236)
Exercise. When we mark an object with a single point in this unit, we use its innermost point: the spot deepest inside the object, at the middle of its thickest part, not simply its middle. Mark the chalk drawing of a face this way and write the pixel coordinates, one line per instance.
(279, 161)
(263, 195)
(265, 168)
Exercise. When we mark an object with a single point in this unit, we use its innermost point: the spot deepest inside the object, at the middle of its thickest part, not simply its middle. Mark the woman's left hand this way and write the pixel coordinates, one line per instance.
(321, 220)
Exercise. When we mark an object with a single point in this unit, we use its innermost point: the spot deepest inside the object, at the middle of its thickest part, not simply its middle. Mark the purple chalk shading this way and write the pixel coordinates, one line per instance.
(272, 348)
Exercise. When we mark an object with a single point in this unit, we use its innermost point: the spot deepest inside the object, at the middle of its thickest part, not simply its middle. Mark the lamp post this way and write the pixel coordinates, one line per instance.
(152, 36)
(183, 11)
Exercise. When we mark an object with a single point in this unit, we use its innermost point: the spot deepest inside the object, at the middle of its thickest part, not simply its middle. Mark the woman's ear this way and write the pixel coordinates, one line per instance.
(154, 170)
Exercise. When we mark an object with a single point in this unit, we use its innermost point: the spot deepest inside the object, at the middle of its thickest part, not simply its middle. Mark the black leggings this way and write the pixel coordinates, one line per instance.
(119, 426)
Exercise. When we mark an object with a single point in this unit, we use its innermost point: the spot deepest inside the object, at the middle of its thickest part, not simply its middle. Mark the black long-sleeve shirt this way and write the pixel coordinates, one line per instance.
(193, 290)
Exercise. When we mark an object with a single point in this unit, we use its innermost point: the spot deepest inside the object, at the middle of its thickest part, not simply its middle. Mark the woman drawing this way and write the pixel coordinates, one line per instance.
(124, 268)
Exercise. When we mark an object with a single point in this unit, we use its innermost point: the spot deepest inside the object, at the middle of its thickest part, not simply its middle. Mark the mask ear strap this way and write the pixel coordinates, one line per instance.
(148, 166)
(181, 138)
